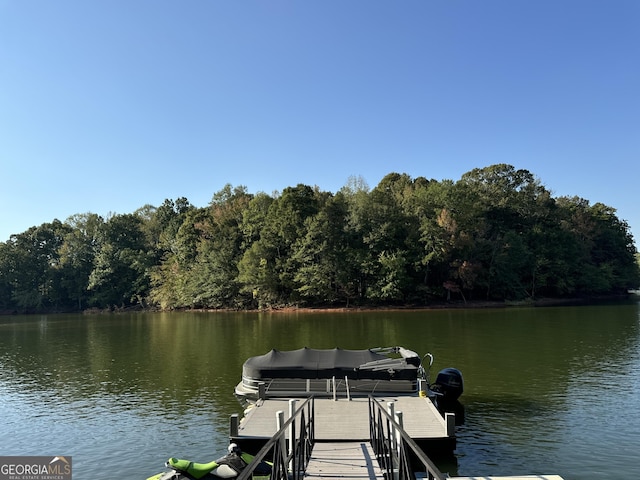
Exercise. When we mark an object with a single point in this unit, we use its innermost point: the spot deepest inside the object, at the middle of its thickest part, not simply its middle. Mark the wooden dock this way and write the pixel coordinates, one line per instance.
(342, 446)
(348, 420)
(356, 460)
(353, 460)
(345, 420)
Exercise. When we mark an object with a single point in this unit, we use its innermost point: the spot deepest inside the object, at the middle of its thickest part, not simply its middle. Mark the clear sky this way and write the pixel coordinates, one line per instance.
(108, 105)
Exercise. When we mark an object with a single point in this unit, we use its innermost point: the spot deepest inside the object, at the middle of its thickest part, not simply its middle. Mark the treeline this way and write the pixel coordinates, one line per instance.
(495, 234)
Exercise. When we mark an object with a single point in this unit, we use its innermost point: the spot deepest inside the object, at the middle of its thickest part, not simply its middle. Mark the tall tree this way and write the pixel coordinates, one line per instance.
(77, 254)
(268, 267)
(7, 272)
(506, 205)
(214, 275)
(327, 270)
(392, 236)
(35, 258)
(177, 248)
(120, 276)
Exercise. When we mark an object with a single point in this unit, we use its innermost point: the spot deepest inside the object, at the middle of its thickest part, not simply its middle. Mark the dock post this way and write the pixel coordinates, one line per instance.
(346, 384)
(450, 419)
(400, 421)
(283, 440)
(279, 420)
(334, 388)
(292, 432)
(391, 408)
(233, 426)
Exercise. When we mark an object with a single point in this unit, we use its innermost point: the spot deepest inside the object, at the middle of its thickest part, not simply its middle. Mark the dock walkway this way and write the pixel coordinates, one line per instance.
(357, 461)
(351, 460)
(348, 420)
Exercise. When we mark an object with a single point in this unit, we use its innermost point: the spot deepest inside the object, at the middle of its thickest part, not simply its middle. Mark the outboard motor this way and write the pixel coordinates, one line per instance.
(448, 384)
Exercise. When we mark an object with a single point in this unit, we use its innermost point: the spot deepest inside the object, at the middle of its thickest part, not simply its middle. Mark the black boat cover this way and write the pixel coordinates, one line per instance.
(314, 363)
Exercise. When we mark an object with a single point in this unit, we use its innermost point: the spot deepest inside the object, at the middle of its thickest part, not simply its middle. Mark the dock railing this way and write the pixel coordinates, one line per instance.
(394, 447)
(288, 461)
(332, 387)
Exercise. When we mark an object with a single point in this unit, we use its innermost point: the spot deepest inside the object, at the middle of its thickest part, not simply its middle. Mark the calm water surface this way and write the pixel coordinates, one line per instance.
(547, 390)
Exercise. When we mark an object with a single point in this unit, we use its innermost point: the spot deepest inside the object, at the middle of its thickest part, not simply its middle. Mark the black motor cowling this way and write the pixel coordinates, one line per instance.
(449, 384)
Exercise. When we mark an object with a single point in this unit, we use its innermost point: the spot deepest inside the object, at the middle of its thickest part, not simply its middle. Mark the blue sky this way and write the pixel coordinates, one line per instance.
(106, 106)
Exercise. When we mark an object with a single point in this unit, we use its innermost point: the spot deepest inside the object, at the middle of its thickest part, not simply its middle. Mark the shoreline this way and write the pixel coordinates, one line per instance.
(451, 305)
(472, 305)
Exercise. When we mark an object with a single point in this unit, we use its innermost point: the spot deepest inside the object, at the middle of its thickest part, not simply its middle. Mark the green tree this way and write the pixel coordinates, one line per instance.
(254, 218)
(327, 272)
(507, 206)
(392, 237)
(438, 231)
(213, 277)
(32, 269)
(357, 225)
(7, 271)
(268, 267)
(121, 272)
(177, 245)
(613, 251)
(77, 255)
(166, 223)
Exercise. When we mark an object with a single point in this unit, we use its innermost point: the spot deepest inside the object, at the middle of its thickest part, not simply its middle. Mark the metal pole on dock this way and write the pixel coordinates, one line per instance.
(283, 440)
(450, 419)
(292, 431)
(391, 408)
(334, 388)
(398, 439)
(234, 424)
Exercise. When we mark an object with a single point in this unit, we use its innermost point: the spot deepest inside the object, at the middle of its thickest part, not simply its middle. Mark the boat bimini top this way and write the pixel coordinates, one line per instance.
(308, 371)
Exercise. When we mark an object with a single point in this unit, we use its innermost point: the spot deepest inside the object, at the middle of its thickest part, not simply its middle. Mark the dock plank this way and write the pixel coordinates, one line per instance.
(347, 420)
(353, 460)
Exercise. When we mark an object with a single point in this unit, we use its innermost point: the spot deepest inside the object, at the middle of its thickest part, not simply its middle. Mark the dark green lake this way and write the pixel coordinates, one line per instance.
(547, 390)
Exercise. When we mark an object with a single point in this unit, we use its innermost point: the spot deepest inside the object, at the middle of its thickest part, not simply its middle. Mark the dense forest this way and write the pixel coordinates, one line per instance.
(495, 234)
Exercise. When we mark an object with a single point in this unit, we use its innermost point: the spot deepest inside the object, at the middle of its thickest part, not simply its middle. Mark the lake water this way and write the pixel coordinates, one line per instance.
(547, 390)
